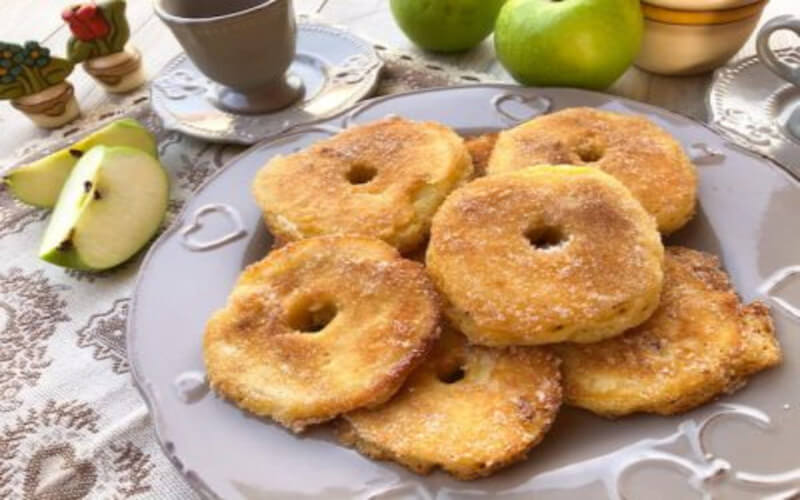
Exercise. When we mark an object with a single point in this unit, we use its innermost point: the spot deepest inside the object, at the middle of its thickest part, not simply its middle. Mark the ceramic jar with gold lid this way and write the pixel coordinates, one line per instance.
(688, 37)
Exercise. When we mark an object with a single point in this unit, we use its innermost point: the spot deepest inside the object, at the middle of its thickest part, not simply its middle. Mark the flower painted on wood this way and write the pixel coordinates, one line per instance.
(86, 21)
(28, 69)
(9, 75)
(11, 56)
(35, 56)
(11, 52)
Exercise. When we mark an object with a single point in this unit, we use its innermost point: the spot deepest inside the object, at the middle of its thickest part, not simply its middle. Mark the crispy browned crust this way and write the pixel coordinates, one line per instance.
(641, 155)
(480, 149)
(701, 342)
(760, 348)
(501, 290)
(503, 407)
(415, 165)
(386, 323)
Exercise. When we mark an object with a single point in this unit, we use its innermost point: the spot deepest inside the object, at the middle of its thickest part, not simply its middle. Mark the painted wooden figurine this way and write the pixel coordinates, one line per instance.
(100, 34)
(36, 84)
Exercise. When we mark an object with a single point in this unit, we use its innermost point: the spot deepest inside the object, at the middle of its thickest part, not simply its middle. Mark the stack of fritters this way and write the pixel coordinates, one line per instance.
(544, 258)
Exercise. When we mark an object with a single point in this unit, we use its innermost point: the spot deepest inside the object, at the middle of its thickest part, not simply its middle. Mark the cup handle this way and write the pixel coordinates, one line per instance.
(768, 57)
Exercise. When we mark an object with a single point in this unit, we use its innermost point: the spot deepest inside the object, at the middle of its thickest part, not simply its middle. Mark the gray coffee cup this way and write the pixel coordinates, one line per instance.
(787, 72)
(245, 46)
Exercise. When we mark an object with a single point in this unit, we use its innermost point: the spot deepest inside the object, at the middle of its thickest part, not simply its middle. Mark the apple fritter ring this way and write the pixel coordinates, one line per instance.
(641, 155)
(384, 179)
(321, 327)
(468, 409)
(545, 254)
(701, 342)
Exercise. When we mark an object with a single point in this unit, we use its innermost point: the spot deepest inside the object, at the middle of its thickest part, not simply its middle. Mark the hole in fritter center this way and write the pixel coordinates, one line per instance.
(590, 147)
(312, 317)
(452, 376)
(589, 153)
(361, 174)
(544, 238)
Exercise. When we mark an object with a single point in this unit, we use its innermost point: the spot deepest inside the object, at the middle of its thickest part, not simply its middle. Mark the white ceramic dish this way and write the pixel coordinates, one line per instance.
(741, 447)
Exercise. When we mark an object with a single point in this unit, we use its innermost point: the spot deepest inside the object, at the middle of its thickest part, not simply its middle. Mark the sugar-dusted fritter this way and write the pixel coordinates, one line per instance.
(545, 254)
(384, 179)
(480, 149)
(470, 410)
(641, 155)
(701, 342)
(760, 348)
(321, 327)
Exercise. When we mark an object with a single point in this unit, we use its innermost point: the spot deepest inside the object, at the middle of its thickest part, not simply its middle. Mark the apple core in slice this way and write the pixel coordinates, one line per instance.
(112, 204)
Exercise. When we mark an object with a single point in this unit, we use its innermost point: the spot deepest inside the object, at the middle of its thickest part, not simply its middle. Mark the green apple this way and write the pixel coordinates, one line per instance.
(112, 204)
(570, 43)
(446, 25)
(40, 182)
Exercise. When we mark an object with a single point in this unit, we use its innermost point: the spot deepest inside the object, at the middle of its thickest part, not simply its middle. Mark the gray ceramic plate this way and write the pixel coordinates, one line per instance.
(338, 69)
(743, 446)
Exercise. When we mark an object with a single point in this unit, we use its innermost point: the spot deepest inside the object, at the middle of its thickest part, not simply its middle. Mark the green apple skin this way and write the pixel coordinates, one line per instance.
(446, 25)
(112, 204)
(569, 43)
(40, 182)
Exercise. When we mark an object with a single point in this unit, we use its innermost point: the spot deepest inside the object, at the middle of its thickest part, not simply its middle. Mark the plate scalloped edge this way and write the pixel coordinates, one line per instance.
(149, 393)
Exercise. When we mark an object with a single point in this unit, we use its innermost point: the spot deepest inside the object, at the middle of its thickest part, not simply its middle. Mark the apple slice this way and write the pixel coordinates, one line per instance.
(40, 182)
(112, 204)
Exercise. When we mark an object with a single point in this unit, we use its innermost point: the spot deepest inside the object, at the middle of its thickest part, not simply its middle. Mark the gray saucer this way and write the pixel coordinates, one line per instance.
(752, 106)
(336, 68)
(280, 95)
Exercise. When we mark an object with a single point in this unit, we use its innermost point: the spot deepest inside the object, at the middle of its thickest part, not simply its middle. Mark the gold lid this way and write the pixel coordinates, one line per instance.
(698, 17)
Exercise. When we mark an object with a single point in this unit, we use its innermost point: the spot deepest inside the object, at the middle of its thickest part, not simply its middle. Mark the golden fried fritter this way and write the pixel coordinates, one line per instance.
(321, 327)
(470, 410)
(641, 155)
(480, 149)
(545, 254)
(760, 348)
(700, 342)
(384, 179)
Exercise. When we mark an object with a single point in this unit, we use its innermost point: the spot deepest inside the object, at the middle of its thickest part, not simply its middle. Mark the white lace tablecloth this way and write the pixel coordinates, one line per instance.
(72, 424)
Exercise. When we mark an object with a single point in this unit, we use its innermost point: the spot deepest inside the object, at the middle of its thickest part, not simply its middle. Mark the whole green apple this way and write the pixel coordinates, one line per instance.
(571, 43)
(446, 25)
